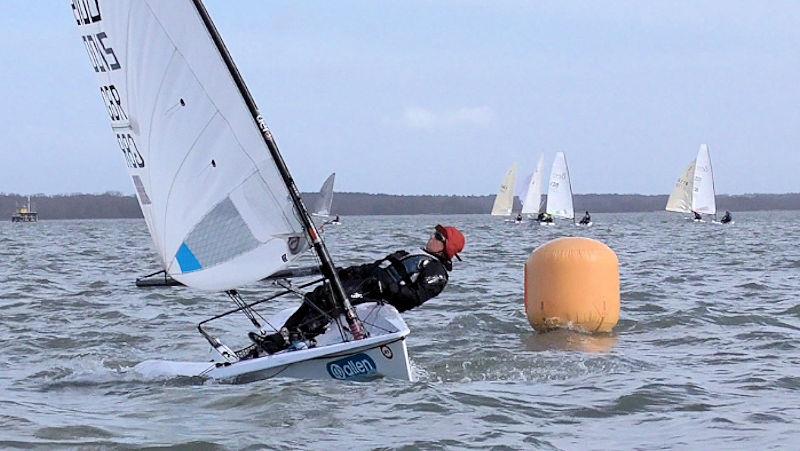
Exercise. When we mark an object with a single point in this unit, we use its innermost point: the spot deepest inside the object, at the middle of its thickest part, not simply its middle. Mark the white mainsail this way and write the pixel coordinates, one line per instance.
(325, 200)
(703, 197)
(217, 209)
(559, 192)
(533, 197)
(504, 202)
(680, 200)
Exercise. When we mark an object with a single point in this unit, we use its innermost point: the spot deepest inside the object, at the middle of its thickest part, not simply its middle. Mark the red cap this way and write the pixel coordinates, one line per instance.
(455, 241)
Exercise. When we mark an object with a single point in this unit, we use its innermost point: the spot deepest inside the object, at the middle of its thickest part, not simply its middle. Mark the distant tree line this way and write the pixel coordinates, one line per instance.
(116, 205)
(74, 206)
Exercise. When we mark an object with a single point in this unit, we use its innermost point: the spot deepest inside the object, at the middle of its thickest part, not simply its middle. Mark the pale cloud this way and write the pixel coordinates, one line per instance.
(423, 118)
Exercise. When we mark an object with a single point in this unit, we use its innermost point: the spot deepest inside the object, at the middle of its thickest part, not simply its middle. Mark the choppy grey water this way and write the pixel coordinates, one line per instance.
(705, 355)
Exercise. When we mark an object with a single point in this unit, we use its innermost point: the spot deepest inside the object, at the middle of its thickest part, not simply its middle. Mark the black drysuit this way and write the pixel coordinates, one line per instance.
(402, 279)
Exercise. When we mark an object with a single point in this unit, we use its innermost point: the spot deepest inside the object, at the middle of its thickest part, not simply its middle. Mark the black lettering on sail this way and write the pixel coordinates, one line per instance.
(113, 103)
(86, 11)
(128, 146)
(109, 51)
(103, 58)
(88, 42)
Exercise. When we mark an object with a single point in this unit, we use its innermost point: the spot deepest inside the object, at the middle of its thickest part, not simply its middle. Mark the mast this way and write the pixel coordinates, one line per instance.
(326, 263)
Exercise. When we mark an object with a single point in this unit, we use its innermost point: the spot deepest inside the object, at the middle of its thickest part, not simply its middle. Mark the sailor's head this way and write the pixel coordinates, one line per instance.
(446, 242)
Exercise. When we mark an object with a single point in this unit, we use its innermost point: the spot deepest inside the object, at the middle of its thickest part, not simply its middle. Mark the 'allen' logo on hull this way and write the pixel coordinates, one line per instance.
(354, 367)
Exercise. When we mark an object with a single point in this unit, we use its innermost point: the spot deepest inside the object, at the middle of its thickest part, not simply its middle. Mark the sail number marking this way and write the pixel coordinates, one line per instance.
(104, 59)
(133, 158)
(86, 11)
(102, 56)
(113, 103)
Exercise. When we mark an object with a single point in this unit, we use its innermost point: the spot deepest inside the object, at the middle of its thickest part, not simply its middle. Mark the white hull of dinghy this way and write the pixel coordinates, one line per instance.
(382, 354)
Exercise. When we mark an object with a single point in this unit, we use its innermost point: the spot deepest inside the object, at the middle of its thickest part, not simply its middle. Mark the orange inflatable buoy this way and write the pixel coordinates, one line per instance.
(573, 283)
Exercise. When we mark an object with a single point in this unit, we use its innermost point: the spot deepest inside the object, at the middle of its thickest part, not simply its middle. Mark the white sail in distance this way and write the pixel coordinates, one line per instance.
(504, 201)
(559, 191)
(680, 200)
(704, 197)
(325, 200)
(532, 200)
(216, 207)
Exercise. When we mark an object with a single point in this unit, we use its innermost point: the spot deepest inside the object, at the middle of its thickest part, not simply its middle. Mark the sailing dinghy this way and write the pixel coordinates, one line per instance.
(694, 190)
(680, 199)
(217, 197)
(532, 200)
(504, 201)
(559, 191)
(322, 208)
(323, 204)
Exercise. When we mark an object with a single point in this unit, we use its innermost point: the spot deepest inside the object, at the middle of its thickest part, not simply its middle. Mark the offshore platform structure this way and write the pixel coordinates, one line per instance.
(25, 213)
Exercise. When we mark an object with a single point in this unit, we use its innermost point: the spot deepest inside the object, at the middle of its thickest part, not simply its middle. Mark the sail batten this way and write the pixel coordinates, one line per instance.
(559, 190)
(216, 205)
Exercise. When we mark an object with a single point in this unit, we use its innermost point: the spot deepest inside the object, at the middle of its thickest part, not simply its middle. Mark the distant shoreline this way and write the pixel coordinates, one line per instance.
(116, 205)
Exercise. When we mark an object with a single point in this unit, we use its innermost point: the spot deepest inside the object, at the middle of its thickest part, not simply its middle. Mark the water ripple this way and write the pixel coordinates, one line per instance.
(705, 354)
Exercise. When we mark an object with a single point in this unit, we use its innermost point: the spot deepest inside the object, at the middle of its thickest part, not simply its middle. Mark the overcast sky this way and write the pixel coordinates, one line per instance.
(440, 97)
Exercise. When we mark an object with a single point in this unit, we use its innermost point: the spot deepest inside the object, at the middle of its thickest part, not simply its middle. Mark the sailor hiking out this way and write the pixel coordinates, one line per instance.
(402, 279)
(545, 218)
(586, 219)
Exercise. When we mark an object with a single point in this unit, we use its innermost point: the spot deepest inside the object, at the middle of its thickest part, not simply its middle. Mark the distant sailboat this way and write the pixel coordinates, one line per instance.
(218, 200)
(704, 196)
(694, 190)
(504, 201)
(680, 200)
(532, 200)
(559, 190)
(322, 207)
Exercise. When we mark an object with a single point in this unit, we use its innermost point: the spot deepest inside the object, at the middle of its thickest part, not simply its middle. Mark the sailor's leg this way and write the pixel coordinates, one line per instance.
(314, 314)
(308, 321)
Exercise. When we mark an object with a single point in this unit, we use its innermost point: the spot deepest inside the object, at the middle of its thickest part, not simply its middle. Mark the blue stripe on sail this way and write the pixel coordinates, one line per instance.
(187, 260)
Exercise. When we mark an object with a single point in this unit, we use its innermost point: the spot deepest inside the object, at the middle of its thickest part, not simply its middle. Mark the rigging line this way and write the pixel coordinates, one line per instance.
(246, 310)
(153, 274)
(306, 300)
(375, 326)
(374, 311)
(208, 370)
